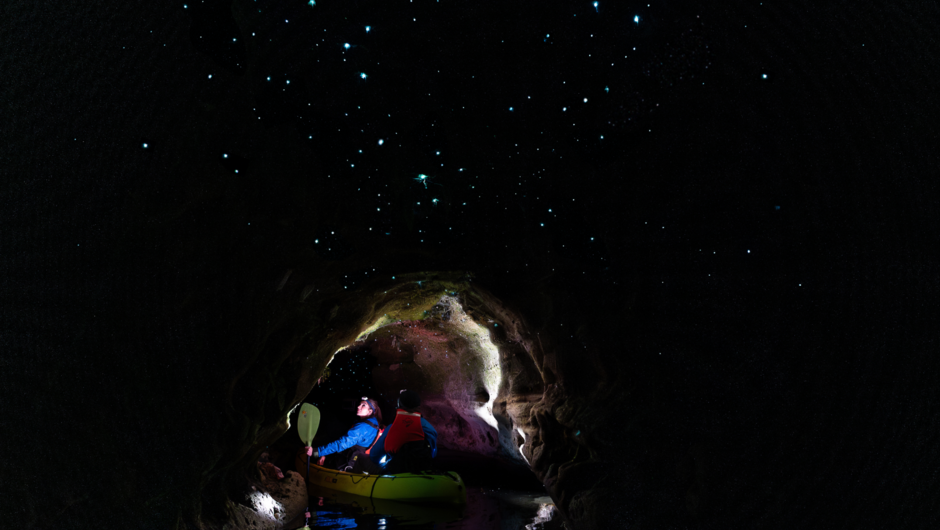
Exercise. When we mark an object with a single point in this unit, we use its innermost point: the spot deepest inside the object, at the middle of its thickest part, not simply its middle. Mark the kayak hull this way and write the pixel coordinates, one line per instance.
(433, 487)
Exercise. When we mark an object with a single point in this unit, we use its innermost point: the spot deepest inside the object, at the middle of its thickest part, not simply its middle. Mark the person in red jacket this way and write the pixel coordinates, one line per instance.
(409, 444)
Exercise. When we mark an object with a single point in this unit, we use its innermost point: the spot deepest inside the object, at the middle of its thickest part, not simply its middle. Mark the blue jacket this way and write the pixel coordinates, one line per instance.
(378, 451)
(361, 434)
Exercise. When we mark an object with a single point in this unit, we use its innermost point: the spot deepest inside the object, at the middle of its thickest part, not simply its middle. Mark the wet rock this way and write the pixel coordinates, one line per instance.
(278, 500)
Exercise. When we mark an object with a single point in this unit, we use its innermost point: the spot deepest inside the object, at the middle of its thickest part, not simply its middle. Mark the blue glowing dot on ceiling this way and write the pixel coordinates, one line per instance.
(363, 75)
(368, 29)
(636, 19)
(346, 45)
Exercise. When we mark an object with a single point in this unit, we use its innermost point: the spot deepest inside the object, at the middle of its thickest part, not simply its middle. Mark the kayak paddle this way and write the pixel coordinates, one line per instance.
(307, 422)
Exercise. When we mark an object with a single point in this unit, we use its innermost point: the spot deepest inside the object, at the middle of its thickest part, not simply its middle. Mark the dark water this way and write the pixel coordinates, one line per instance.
(497, 509)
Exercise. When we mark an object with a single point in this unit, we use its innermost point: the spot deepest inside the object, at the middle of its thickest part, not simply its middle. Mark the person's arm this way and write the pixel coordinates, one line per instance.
(360, 434)
(430, 434)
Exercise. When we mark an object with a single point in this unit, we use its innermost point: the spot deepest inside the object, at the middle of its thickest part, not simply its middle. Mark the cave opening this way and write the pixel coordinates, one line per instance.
(472, 363)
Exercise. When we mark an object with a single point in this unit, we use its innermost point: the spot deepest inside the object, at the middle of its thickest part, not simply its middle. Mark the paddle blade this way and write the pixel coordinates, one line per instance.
(307, 422)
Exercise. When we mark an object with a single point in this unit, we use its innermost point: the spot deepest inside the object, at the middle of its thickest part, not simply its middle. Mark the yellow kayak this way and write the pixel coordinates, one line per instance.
(438, 487)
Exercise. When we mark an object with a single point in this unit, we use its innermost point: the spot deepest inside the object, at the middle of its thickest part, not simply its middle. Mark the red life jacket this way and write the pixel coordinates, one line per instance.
(406, 428)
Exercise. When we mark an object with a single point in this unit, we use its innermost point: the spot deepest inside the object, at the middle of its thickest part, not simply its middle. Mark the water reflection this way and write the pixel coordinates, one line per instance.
(486, 509)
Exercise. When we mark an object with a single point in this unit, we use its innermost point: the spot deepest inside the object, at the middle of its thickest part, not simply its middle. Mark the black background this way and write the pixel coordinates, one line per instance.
(758, 179)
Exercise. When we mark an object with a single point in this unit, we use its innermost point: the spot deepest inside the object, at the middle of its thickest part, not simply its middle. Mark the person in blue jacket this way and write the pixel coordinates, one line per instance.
(352, 450)
(407, 445)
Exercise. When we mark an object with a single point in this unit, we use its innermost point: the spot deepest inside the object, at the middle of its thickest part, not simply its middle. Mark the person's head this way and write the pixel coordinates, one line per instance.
(368, 408)
(409, 400)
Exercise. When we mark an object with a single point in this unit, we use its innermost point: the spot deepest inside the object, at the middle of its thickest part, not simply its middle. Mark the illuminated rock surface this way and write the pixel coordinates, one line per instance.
(272, 503)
